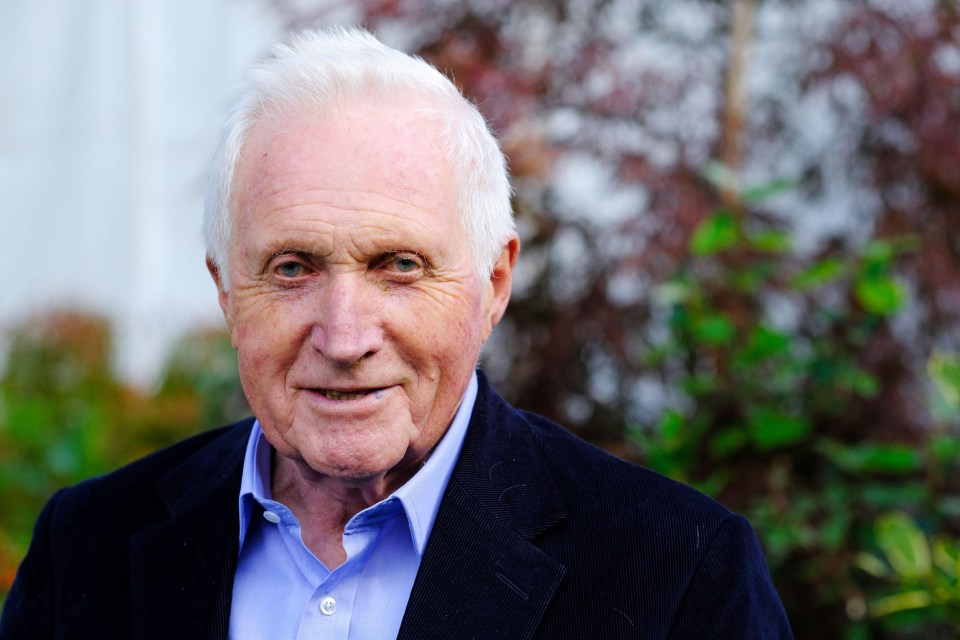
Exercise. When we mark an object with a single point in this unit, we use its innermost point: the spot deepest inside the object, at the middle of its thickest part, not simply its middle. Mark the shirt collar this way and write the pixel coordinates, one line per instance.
(420, 495)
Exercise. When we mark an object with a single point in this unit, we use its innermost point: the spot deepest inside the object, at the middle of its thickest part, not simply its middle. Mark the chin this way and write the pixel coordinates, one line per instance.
(356, 470)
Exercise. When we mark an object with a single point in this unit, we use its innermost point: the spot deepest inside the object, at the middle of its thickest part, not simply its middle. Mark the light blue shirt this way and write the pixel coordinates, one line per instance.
(281, 590)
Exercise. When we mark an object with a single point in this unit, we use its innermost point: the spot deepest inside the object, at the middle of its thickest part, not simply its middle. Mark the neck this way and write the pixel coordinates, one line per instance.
(323, 504)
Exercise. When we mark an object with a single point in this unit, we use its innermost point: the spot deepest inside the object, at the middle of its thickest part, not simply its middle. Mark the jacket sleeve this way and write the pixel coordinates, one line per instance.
(28, 610)
(731, 595)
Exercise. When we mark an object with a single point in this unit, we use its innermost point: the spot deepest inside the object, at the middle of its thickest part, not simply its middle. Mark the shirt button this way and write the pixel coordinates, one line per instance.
(270, 516)
(328, 606)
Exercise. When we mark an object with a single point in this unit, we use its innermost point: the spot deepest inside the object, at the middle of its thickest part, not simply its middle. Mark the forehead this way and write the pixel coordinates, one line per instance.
(361, 149)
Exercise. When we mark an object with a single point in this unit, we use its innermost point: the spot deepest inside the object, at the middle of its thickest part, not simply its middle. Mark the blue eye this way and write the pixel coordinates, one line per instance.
(405, 265)
(290, 269)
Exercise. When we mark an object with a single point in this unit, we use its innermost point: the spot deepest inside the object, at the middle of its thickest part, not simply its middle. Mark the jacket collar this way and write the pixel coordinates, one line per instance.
(481, 567)
(185, 564)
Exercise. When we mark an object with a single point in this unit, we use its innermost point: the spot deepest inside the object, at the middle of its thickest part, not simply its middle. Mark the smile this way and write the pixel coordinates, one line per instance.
(348, 395)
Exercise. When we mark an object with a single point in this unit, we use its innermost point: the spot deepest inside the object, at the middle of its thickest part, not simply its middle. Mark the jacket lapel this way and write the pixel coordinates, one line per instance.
(481, 574)
(182, 568)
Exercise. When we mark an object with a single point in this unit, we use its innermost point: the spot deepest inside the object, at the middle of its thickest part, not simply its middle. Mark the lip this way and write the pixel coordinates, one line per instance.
(344, 397)
(347, 394)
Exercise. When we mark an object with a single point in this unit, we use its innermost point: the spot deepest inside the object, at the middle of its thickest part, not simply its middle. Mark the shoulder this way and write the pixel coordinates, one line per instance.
(599, 485)
(130, 492)
(591, 480)
(641, 513)
(636, 547)
(80, 570)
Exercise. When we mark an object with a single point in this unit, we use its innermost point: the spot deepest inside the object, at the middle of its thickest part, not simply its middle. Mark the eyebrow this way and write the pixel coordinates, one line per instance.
(281, 252)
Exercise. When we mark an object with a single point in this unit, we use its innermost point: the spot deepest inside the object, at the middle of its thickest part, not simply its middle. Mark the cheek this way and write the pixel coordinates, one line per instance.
(263, 339)
(457, 339)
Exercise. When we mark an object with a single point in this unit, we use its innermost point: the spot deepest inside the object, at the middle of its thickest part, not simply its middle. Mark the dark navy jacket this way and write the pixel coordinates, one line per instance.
(539, 535)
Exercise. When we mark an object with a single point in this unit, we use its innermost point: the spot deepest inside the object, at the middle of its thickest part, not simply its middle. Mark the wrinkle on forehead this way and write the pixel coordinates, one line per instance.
(281, 156)
(412, 133)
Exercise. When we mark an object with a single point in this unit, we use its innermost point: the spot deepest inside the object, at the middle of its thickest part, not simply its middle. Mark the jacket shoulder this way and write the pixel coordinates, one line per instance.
(647, 549)
(129, 491)
(615, 485)
(78, 577)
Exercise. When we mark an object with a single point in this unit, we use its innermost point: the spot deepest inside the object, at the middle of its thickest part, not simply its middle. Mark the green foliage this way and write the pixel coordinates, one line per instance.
(751, 385)
(203, 366)
(715, 234)
(925, 574)
(771, 352)
(944, 372)
(65, 417)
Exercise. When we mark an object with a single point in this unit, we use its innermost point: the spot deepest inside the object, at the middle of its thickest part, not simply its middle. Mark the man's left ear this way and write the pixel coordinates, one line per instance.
(500, 285)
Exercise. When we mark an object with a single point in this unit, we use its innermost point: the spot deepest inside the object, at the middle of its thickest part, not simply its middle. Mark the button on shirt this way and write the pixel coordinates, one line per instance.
(281, 590)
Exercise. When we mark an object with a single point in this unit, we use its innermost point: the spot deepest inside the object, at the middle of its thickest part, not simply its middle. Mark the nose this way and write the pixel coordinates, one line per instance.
(347, 327)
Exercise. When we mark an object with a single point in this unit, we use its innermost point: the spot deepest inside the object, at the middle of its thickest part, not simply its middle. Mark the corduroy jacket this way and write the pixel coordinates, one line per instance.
(538, 535)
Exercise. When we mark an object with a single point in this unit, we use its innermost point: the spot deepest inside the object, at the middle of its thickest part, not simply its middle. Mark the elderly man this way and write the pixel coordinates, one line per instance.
(361, 240)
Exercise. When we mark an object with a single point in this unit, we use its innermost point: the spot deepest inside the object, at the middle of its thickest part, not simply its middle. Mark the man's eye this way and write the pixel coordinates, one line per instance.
(290, 269)
(405, 265)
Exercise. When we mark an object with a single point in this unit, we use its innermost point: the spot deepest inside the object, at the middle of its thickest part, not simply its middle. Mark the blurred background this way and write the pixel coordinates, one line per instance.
(741, 261)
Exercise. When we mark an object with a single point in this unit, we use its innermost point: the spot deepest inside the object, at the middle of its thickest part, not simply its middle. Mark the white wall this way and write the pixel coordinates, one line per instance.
(109, 110)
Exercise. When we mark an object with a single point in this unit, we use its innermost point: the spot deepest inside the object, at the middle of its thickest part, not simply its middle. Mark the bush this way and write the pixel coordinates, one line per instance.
(64, 416)
(782, 362)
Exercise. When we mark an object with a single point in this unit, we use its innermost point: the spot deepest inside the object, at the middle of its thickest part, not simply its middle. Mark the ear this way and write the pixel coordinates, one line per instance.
(499, 286)
(222, 294)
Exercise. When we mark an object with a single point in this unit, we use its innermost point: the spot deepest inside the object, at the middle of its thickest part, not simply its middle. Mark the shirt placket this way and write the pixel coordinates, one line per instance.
(329, 611)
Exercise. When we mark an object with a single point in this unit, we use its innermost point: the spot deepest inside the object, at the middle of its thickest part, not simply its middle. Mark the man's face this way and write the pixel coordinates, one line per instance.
(355, 307)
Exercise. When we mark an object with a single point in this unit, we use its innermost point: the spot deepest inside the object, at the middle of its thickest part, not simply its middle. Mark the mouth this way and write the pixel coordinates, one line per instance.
(353, 394)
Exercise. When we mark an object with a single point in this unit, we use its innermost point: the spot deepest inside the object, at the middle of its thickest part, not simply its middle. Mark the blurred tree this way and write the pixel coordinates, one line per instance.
(64, 416)
(783, 366)
(908, 71)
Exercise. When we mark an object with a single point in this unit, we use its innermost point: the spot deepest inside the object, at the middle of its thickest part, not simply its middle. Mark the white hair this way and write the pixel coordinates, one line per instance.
(319, 68)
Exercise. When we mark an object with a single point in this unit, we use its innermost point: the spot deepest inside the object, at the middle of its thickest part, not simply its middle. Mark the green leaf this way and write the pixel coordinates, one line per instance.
(767, 190)
(771, 242)
(721, 176)
(872, 565)
(715, 234)
(834, 530)
(766, 342)
(715, 329)
(944, 448)
(904, 545)
(890, 458)
(728, 441)
(748, 281)
(900, 602)
(873, 458)
(818, 274)
(879, 254)
(889, 496)
(770, 428)
(864, 384)
(944, 371)
(946, 557)
(671, 425)
(671, 293)
(880, 295)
